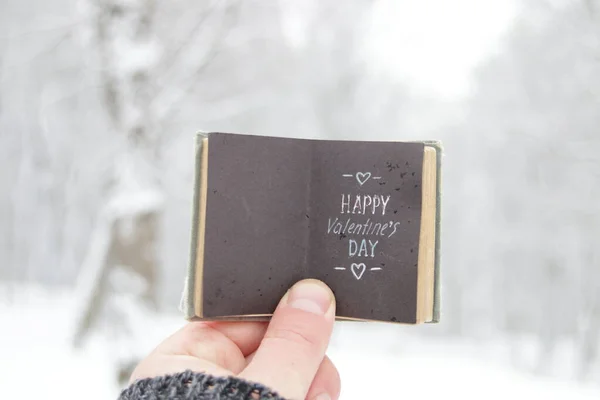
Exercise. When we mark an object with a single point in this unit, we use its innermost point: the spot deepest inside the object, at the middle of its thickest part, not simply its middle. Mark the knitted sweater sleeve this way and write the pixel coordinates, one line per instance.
(190, 385)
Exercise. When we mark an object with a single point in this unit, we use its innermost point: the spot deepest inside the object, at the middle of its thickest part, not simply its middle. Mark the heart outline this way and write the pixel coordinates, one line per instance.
(363, 177)
(360, 266)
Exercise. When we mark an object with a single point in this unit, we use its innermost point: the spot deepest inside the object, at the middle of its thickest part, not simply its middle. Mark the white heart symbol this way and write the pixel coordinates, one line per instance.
(358, 269)
(362, 177)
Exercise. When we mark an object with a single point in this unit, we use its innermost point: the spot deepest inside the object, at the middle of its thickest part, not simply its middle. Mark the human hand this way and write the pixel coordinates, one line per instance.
(287, 354)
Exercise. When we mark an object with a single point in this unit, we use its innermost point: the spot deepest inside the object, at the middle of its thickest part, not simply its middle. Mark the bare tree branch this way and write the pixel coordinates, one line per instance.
(110, 84)
(18, 35)
(50, 48)
(174, 56)
(230, 13)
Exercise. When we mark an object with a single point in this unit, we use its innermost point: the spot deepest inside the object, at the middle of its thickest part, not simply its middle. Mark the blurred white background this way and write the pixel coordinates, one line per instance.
(99, 103)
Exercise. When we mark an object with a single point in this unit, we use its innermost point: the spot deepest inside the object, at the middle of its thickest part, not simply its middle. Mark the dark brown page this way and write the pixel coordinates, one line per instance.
(256, 225)
(365, 218)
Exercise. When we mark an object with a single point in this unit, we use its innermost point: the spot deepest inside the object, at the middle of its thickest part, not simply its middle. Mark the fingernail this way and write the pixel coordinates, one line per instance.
(323, 396)
(310, 295)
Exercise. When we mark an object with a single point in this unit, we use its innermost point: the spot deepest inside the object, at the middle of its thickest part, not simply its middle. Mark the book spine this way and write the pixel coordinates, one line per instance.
(437, 270)
(190, 291)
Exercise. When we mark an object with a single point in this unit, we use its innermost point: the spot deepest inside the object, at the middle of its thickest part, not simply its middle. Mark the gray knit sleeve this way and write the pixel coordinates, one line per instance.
(190, 385)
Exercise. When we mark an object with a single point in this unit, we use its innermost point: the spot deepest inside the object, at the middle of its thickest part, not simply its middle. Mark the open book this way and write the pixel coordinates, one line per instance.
(363, 217)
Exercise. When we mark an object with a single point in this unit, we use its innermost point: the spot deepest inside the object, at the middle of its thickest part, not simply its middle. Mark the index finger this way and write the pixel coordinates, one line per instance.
(245, 335)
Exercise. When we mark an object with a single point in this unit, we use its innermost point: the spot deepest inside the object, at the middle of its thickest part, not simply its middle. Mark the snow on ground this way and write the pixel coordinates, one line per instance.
(437, 369)
(36, 360)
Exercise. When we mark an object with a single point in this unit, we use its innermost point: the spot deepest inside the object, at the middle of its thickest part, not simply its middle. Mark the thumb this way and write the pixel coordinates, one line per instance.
(296, 340)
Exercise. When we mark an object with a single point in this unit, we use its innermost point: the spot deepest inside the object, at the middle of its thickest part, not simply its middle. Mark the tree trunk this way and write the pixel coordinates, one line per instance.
(129, 226)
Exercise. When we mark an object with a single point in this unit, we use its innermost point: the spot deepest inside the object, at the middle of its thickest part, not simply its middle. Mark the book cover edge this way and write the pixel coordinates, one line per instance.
(437, 267)
(189, 294)
(188, 304)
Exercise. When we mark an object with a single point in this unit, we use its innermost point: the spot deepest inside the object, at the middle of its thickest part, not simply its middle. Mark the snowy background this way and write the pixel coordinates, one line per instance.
(99, 103)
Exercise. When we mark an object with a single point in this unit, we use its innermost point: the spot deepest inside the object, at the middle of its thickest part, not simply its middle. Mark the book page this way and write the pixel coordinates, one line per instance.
(365, 220)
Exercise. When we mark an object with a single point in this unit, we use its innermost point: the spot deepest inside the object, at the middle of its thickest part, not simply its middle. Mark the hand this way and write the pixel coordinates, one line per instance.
(287, 354)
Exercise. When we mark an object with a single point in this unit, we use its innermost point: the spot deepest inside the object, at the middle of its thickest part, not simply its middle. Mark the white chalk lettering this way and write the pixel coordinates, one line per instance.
(362, 248)
(373, 245)
(357, 206)
(364, 204)
(330, 224)
(345, 204)
(384, 202)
